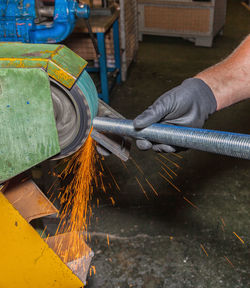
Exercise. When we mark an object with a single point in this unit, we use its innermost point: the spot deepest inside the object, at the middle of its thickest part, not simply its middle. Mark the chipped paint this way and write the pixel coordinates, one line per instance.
(18, 21)
(60, 63)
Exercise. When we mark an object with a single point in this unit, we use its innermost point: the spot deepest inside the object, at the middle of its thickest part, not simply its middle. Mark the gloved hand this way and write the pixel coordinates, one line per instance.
(188, 104)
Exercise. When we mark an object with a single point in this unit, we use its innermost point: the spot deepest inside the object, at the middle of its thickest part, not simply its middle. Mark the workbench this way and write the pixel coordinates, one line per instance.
(100, 26)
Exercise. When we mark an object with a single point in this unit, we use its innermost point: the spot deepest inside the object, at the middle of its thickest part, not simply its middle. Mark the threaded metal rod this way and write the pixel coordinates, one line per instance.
(225, 143)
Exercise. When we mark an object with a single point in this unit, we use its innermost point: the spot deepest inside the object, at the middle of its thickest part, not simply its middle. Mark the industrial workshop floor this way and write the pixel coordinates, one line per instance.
(164, 241)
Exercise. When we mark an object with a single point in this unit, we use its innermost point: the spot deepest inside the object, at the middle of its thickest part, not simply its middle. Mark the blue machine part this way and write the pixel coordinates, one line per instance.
(18, 20)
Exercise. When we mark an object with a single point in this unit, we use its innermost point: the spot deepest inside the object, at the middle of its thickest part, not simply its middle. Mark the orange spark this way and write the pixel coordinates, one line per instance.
(176, 188)
(112, 200)
(75, 201)
(143, 190)
(169, 160)
(116, 184)
(125, 166)
(45, 228)
(152, 187)
(137, 166)
(223, 222)
(229, 261)
(47, 237)
(102, 184)
(50, 188)
(241, 240)
(166, 166)
(203, 248)
(92, 270)
(100, 163)
(108, 239)
(167, 172)
(190, 203)
(177, 155)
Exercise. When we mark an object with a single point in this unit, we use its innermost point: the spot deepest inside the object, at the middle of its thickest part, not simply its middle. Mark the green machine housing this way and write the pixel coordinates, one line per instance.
(47, 104)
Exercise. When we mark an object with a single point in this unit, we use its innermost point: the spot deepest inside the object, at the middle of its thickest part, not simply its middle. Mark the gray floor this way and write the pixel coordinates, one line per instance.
(156, 242)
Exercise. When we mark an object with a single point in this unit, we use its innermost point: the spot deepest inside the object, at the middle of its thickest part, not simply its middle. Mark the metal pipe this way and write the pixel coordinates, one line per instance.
(51, 33)
(225, 143)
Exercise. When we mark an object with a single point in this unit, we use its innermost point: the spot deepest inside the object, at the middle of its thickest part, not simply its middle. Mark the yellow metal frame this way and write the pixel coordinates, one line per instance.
(26, 260)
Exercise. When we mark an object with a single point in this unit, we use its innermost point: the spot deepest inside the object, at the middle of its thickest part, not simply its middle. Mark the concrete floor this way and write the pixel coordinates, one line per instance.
(156, 242)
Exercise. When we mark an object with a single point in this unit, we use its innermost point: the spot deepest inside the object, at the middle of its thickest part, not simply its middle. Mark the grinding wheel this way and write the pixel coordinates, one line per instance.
(73, 118)
(33, 130)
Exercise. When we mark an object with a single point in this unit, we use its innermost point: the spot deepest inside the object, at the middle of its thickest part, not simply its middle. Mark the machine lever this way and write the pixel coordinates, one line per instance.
(225, 143)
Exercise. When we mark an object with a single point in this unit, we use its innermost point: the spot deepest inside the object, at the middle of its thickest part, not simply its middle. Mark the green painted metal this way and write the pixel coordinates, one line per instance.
(87, 86)
(61, 63)
(27, 124)
(15, 50)
(69, 61)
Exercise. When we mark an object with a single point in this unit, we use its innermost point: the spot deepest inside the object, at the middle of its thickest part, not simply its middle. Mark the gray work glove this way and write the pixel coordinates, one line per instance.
(188, 104)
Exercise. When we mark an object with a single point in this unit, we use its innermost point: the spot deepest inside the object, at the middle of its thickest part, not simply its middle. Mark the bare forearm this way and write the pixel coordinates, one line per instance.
(230, 79)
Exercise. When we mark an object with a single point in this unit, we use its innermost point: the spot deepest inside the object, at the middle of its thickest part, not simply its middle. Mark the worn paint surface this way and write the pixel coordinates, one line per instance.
(26, 260)
(61, 63)
(28, 128)
(18, 21)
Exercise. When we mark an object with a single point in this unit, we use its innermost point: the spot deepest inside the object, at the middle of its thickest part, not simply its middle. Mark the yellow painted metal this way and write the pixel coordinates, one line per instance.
(26, 260)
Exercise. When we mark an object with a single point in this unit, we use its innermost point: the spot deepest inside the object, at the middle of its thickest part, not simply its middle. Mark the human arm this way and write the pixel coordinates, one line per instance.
(190, 103)
(230, 79)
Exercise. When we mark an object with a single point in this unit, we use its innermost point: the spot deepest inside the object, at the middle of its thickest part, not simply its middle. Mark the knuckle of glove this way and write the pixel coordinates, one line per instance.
(163, 148)
(143, 144)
